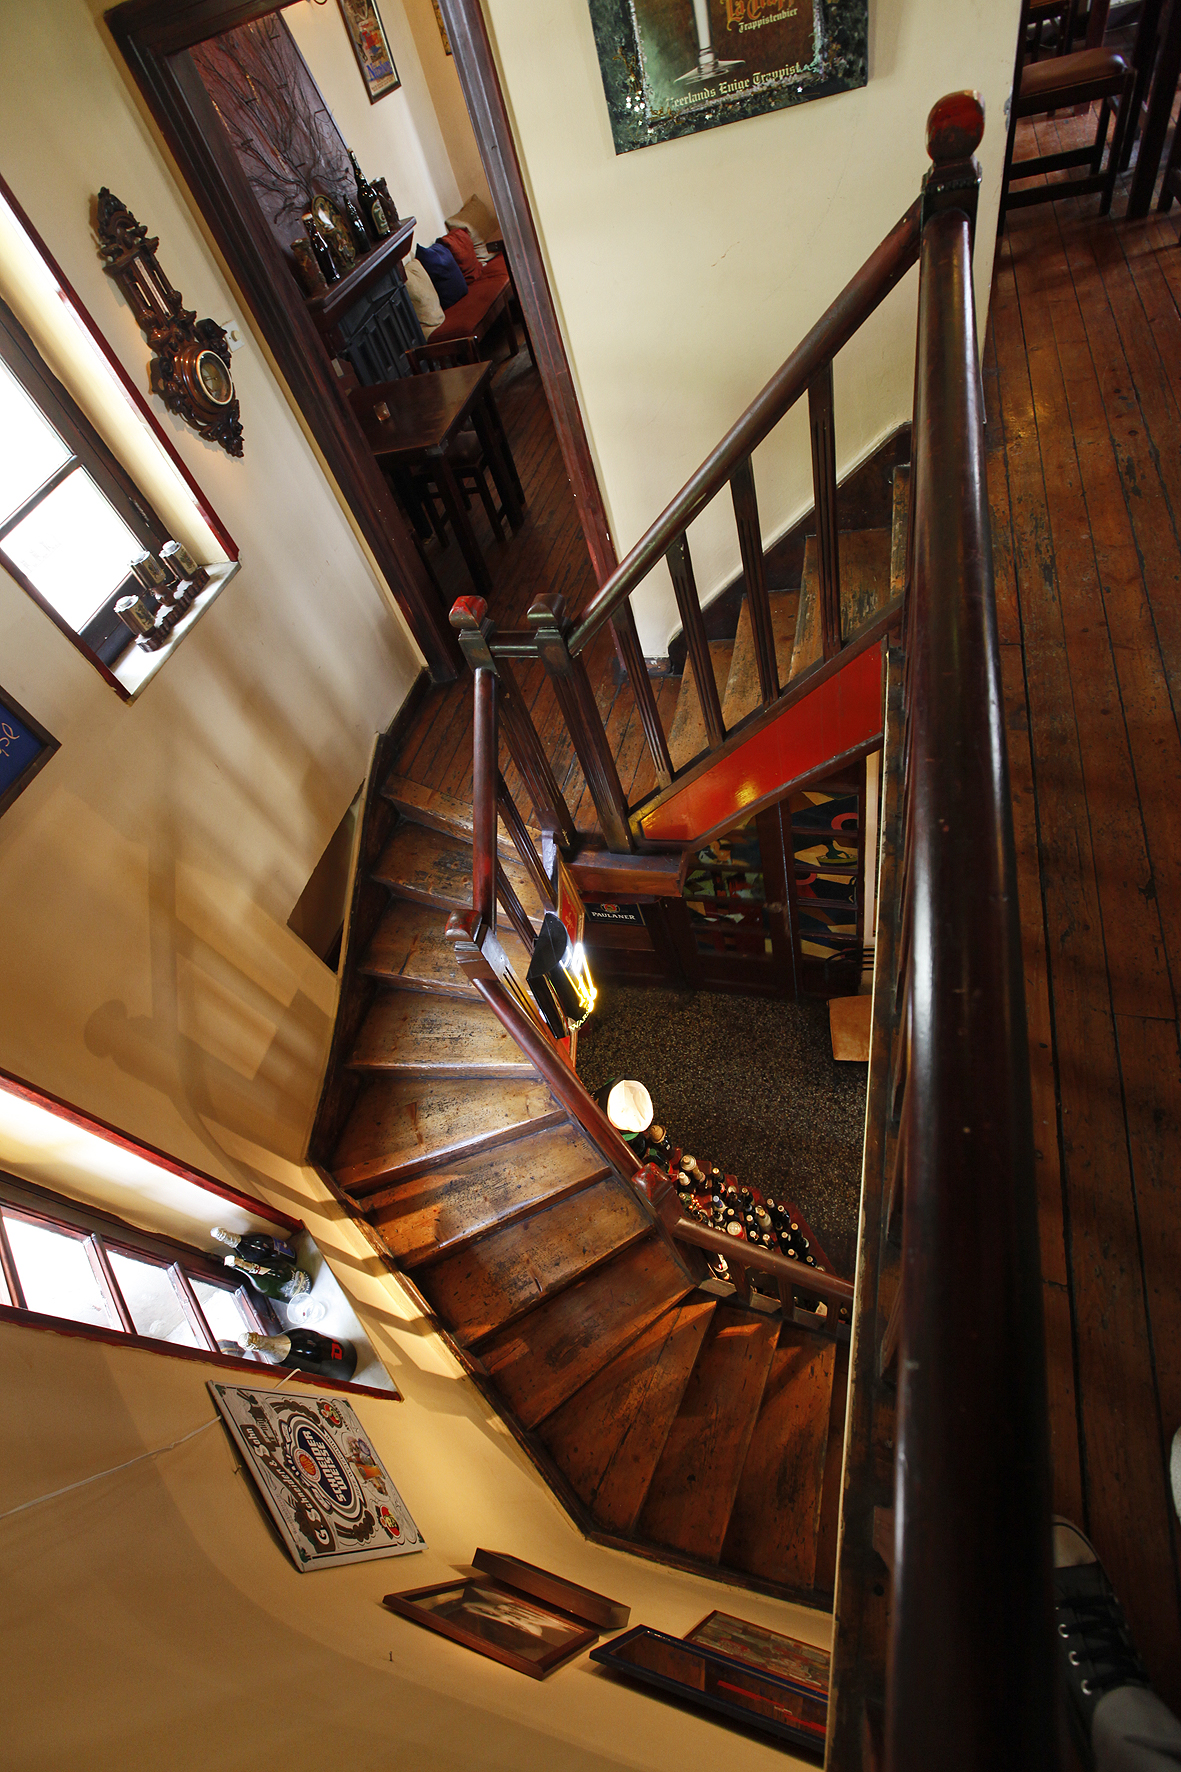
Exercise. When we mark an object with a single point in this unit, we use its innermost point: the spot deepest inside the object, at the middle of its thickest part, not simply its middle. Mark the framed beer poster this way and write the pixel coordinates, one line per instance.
(672, 67)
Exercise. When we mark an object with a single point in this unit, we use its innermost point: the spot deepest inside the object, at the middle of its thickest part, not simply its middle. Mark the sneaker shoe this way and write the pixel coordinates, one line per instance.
(1095, 1648)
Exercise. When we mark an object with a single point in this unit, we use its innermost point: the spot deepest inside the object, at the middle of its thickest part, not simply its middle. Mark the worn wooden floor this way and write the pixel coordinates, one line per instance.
(1082, 377)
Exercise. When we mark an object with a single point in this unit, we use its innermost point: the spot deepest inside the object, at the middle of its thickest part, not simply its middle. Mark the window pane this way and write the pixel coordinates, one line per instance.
(223, 1313)
(56, 1274)
(73, 548)
(154, 1306)
(30, 448)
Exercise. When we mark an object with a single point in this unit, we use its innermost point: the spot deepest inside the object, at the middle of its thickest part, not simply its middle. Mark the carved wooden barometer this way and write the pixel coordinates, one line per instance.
(191, 368)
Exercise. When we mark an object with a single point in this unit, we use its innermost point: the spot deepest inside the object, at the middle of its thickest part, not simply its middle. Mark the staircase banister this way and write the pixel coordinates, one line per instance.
(972, 1587)
(886, 265)
(485, 795)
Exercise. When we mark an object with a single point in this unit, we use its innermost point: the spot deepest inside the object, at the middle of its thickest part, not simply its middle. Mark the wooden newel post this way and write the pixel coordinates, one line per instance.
(954, 130)
(552, 626)
(476, 629)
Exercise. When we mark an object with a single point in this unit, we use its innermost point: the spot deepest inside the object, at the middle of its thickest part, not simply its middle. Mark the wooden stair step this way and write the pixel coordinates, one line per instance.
(515, 1267)
(419, 1036)
(776, 1516)
(743, 695)
(401, 1126)
(433, 867)
(409, 948)
(430, 806)
(865, 590)
(540, 1362)
(607, 1440)
(693, 1489)
(453, 1201)
(687, 736)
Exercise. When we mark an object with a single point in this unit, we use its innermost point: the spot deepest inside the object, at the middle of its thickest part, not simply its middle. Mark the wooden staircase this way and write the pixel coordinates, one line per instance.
(669, 1420)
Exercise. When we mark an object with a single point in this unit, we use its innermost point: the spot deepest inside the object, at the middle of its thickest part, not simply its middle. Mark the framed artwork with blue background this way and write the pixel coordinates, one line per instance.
(25, 747)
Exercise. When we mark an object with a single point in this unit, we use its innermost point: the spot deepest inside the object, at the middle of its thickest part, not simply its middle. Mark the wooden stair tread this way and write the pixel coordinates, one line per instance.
(865, 589)
(776, 1516)
(417, 1035)
(542, 1361)
(607, 1440)
(409, 945)
(401, 1126)
(687, 736)
(489, 1282)
(455, 1200)
(433, 867)
(693, 1489)
(742, 685)
(443, 812)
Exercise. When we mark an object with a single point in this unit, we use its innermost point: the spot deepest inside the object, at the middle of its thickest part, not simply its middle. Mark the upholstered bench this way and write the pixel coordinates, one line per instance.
(486, 303)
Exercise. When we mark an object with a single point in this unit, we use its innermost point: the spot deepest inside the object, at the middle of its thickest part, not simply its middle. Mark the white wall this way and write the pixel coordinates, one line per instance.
(684, 273)
(146, 969)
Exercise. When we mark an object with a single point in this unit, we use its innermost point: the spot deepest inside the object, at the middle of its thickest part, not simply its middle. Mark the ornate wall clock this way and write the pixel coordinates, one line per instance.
(191, 368)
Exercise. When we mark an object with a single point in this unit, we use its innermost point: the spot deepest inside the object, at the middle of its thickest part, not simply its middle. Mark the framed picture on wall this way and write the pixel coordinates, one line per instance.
(25, 747)
(672, 67)
(371, 47)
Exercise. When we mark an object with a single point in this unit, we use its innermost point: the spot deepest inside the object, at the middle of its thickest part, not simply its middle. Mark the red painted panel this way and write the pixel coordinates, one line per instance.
(842, 713)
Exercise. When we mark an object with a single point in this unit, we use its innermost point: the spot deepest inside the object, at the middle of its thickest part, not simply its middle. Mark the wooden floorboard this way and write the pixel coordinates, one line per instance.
(1082, 378)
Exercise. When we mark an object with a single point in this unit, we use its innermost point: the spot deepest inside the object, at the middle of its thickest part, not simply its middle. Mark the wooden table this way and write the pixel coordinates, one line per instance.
(413, 422)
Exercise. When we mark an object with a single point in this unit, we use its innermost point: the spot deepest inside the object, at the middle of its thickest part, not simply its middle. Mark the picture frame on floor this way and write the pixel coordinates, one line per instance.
(787, 1657)
(25, 749)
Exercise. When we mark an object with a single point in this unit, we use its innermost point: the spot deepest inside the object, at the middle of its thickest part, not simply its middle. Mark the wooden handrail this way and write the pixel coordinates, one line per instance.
(972, 1593)
(886, 265)
(485, 771)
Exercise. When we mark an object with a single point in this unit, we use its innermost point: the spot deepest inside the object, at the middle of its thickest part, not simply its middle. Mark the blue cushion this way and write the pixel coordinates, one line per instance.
(449, 281)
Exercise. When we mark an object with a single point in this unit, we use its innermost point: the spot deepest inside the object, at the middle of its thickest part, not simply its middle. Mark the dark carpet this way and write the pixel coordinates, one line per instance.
(746, 1083)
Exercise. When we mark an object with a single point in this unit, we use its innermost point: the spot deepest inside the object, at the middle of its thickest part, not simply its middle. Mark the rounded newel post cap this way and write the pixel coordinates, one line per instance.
(548, 610)
(955, 127)
(468, 612)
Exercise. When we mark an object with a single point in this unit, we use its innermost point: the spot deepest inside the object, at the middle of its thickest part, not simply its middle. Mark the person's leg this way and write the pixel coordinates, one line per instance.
(1120, 1723)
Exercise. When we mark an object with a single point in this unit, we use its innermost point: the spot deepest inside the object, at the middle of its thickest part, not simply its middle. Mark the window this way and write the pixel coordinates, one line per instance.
(61, 1259)
(71, 520)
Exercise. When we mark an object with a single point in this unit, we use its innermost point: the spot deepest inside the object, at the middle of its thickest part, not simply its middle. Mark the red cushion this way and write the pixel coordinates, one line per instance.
(463, 320)
(459, 244)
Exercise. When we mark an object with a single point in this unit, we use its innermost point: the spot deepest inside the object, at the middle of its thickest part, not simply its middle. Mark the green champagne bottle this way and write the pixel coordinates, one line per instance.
(307, 1351)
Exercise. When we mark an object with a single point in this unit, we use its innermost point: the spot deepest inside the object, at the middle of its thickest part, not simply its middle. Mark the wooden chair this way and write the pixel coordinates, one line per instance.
(1067, 78)
(466, 455)
(423, 360)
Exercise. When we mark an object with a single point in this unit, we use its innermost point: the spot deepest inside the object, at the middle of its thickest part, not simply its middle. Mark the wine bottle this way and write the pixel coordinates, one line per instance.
(370, 204)
(307, 1351)
(278, 1282)
(357, 227)
(321, 250)
(254, 1246)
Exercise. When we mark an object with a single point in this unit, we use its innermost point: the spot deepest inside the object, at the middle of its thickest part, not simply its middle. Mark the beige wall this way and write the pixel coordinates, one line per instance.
(146, 969)
(152, 1620)
(684, 273)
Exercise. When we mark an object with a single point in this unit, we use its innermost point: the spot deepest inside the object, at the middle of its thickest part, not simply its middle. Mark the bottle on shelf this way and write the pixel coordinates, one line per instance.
(308, 1351)
(283, 1282)
(321, 250)
(357, 227)
(369, 203)
(254, 1246)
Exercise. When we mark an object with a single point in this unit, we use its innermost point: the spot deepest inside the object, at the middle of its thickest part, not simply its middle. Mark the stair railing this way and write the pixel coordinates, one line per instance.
(558, 641)
(971, 1680)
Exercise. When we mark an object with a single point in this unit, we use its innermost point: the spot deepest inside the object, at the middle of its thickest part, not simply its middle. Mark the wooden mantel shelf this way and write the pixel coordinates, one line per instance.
(327, 309)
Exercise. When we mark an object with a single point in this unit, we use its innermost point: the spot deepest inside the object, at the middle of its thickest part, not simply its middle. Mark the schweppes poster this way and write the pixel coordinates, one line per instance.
(671, 67)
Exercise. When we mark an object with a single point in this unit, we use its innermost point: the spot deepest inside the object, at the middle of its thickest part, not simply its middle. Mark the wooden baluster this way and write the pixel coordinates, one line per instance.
(696, 640)
(631, 656)
(518, 830)
(469, 615)
(754, 573)
(576, 698)
(824, 482)
(740, 1278)
(484, 773)
(513, 909)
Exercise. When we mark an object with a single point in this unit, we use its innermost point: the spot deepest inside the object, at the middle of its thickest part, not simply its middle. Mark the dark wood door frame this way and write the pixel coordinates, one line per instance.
(154, 37)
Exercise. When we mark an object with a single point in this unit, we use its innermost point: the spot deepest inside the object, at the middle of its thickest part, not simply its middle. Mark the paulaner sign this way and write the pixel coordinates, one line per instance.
(671, 67)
